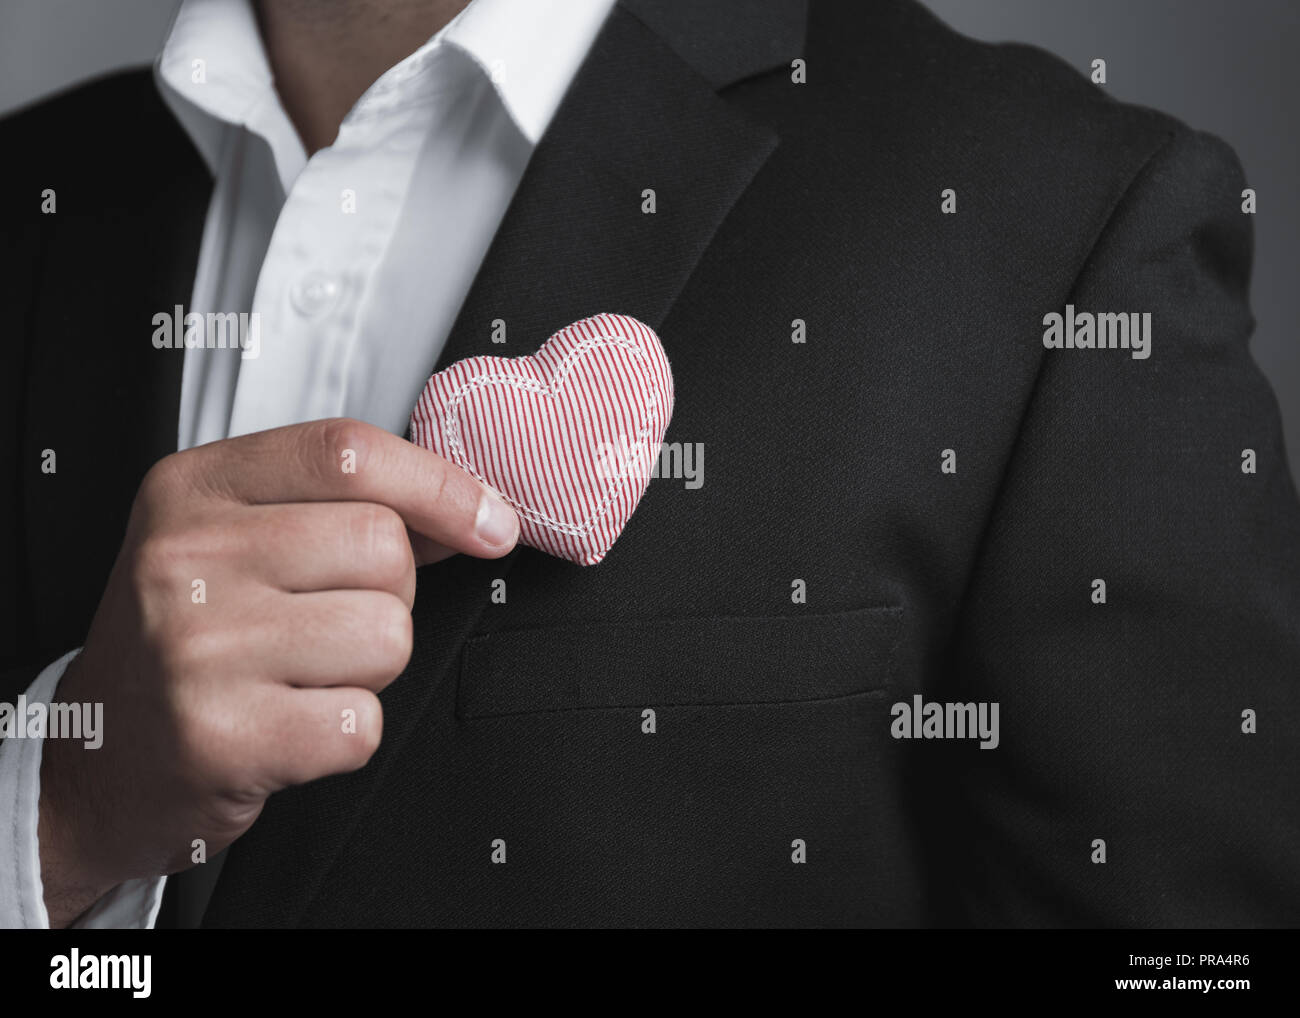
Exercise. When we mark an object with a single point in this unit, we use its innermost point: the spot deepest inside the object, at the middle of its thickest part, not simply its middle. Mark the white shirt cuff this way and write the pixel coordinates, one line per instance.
(131, 905)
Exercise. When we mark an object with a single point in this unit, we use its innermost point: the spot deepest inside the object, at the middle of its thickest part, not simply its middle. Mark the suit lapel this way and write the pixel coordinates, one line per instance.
(642, 114)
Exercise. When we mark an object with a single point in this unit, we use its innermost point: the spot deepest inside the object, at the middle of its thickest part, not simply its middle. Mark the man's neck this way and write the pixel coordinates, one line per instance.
(325, 53)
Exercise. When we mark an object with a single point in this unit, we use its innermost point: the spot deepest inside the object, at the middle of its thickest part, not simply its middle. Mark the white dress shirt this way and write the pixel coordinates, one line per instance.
(355, 261)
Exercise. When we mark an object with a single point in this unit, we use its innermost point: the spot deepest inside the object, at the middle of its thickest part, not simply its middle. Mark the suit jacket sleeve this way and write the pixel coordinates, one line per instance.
(1125, 722)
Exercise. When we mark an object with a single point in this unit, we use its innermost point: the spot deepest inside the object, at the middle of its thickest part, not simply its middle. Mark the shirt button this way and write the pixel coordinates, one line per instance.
(314, 294)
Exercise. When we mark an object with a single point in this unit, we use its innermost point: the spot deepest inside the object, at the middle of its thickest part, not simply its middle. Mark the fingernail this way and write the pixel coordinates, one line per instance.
(496, 523)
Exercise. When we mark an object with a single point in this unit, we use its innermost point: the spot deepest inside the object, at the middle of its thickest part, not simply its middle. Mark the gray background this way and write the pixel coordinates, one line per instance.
(1231, 67)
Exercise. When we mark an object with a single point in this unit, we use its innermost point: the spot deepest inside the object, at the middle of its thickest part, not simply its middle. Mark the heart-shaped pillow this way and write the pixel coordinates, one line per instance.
(567, 436)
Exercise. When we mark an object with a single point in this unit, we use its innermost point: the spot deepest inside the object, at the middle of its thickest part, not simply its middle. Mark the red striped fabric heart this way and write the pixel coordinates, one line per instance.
(567, 436)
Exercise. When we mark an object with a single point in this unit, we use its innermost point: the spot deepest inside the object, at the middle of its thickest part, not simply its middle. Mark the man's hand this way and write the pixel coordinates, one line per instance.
(263, 591)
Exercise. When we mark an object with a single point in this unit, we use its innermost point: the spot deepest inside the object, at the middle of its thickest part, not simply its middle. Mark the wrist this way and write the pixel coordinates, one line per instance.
(69, 878)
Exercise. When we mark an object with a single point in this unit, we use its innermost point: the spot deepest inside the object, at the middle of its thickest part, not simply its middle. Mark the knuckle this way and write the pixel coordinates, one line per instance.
(161, 477)
(159, 560)
(158, 489)
(369, 728)
(167, 563)
(383, 545)
(184, 652)
(438, 477)
(331, 438)
(395, 636)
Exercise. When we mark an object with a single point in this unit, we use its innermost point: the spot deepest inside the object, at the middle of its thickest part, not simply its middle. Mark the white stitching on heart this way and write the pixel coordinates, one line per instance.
(451, 428)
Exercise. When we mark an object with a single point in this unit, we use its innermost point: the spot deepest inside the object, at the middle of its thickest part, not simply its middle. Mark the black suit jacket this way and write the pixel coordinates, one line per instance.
(776, 201)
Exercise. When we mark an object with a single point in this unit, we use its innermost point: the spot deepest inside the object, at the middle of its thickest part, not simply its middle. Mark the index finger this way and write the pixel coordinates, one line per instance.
(341, 459)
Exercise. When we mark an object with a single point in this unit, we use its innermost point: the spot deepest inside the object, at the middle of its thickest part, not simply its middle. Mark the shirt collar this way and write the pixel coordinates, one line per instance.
(530, 49)
(213, 70)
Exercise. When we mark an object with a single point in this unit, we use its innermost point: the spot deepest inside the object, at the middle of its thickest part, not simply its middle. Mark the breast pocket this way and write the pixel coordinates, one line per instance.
(679, 662)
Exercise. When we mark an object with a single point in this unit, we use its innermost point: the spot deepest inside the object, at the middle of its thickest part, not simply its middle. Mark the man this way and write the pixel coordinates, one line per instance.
(971, 622)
